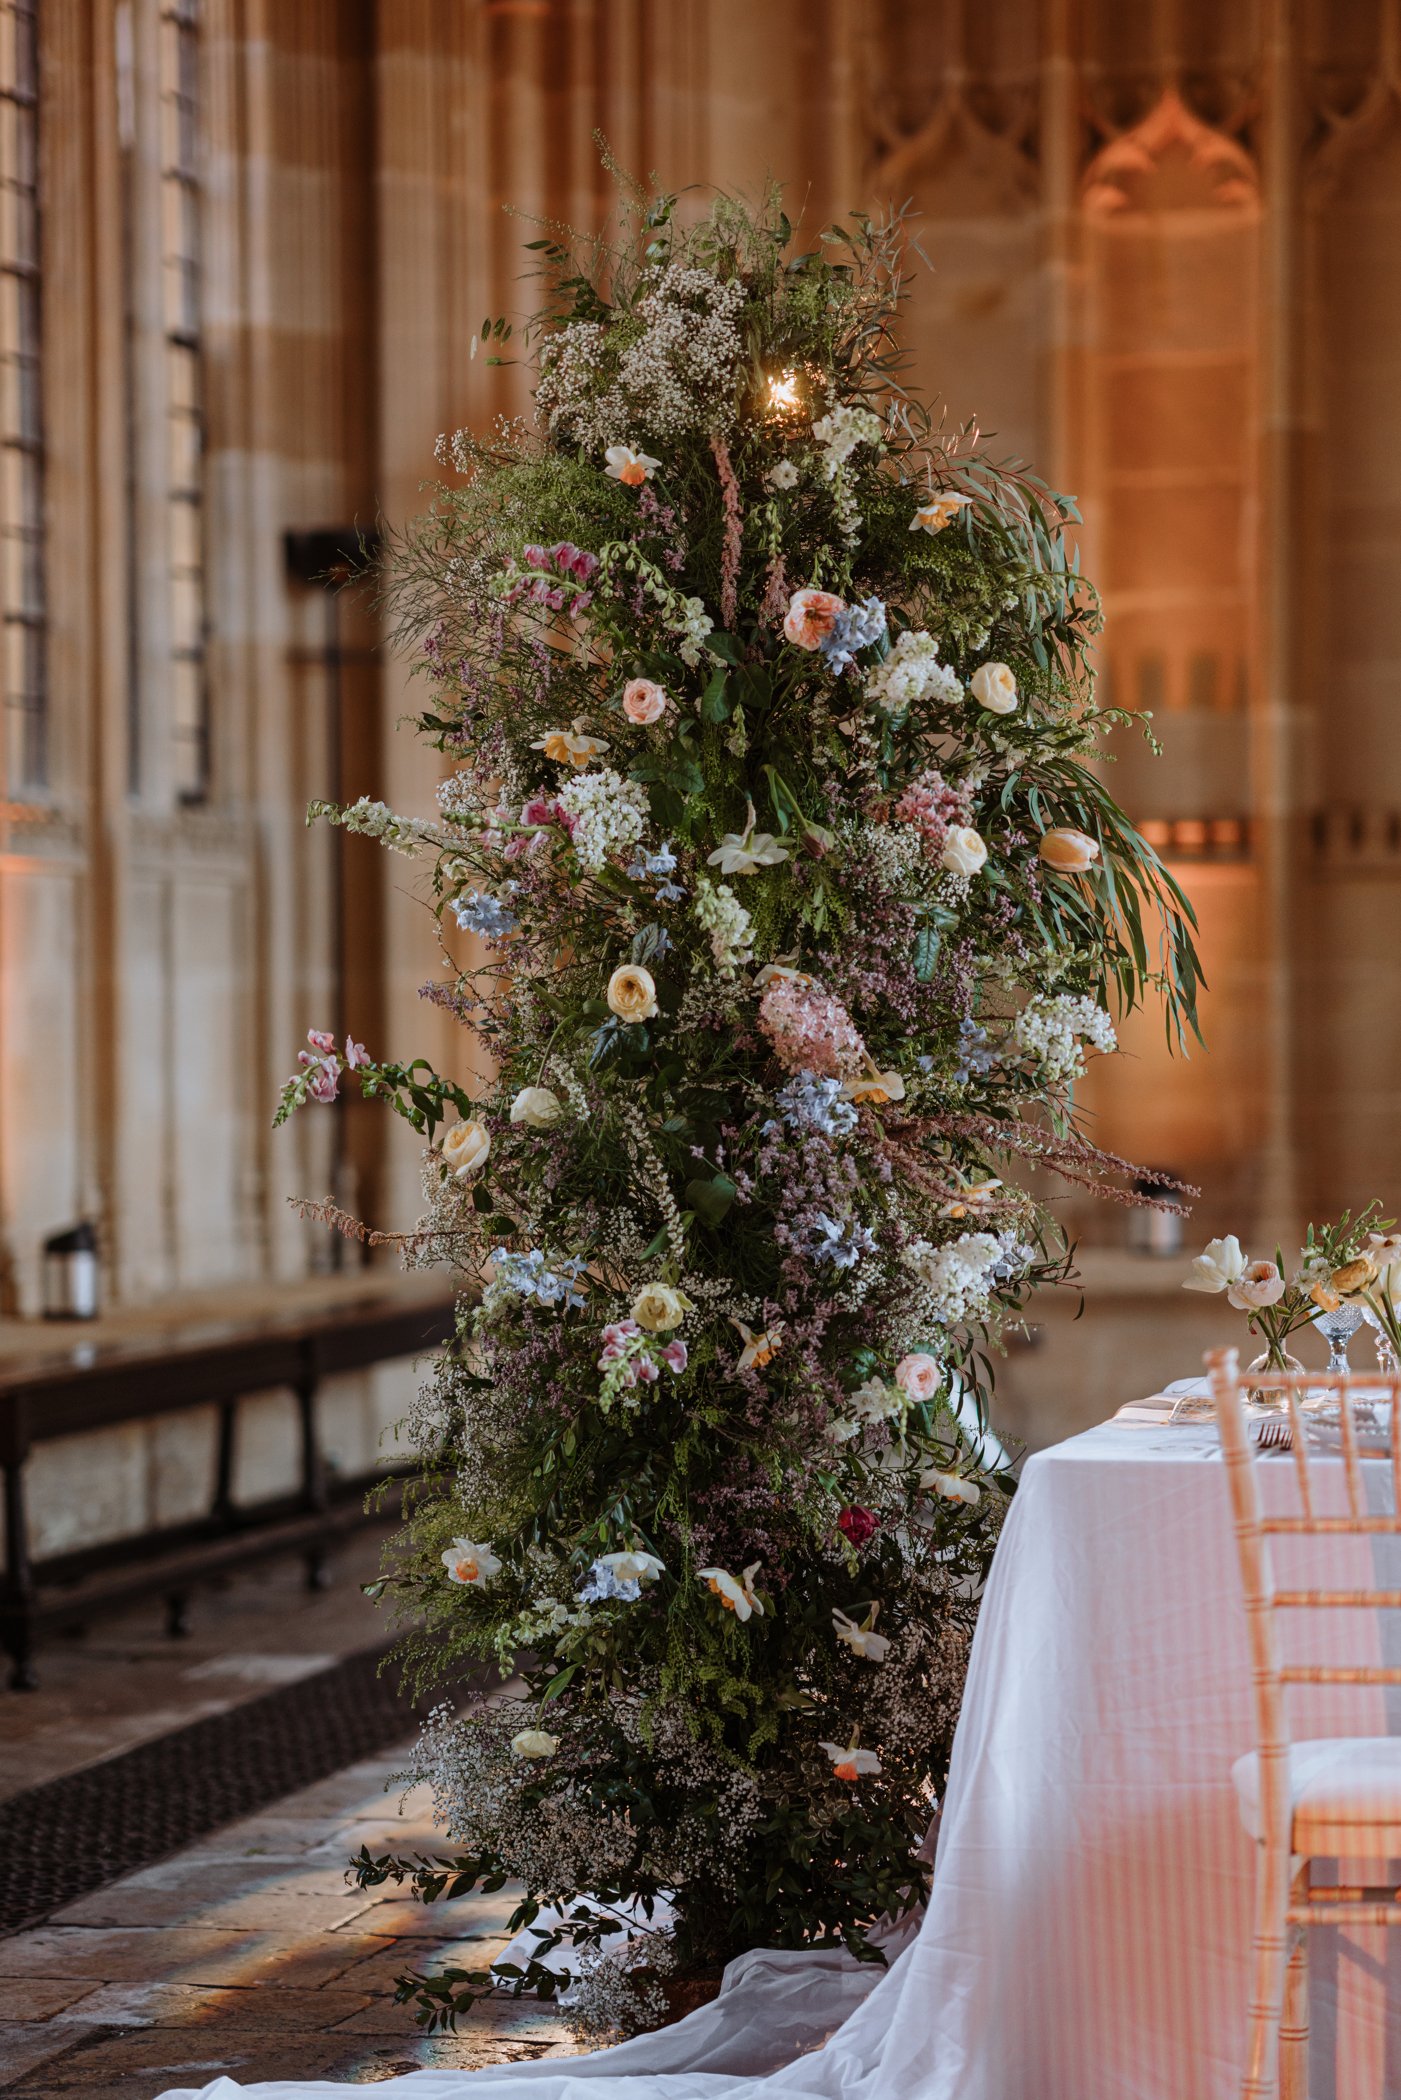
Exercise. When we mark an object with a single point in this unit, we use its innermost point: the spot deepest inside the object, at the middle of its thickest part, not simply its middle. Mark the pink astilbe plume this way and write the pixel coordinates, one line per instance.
(810, 1030)
(932, 806)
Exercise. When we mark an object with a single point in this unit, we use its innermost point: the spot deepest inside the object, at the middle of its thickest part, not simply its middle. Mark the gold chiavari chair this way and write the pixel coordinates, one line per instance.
(1331, 1797)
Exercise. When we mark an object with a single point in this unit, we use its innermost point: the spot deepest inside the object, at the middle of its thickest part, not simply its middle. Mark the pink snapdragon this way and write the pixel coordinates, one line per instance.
(673, 1355)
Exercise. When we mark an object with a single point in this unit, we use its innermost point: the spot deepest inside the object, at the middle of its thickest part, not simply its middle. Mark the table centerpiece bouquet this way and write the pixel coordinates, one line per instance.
(797, 905)
(1334, 1285)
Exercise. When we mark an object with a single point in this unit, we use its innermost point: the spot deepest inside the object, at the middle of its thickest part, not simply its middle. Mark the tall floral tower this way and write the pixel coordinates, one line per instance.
(765, 704)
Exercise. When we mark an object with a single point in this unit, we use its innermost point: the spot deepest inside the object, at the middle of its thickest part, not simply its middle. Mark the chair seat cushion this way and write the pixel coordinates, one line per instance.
(1346, 1792)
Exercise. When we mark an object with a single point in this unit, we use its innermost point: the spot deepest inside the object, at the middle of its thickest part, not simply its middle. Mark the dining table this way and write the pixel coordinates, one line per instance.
(1089, 1932)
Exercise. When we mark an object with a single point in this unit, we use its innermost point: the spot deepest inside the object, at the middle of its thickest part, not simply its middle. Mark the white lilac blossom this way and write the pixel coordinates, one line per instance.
(961, 1276)
(491, 917)
(808, 1102)
(855, 627)
(607, 815)
(1051, 1030)
(911, 675)
(727, 922)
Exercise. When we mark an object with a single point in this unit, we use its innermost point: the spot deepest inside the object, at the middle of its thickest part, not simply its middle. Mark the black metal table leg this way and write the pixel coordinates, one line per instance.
(17, 1602)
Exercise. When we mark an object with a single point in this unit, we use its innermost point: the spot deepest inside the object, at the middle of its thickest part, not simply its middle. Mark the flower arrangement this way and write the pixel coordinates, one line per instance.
(1338, 1264)
(799, 906)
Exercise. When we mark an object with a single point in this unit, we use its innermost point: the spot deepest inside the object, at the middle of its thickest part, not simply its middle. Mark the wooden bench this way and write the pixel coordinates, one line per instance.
(55, 1392)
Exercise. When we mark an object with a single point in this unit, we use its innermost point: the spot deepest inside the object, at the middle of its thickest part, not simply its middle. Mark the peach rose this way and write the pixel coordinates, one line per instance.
(1069, 852)
(918, 1376)
(1258, 1284)
(466, 1147)
(644, 701)
(810, 616)
(632, 993)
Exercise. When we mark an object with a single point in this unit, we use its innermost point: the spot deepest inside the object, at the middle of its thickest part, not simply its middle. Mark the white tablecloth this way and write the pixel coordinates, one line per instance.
(1089, 1929)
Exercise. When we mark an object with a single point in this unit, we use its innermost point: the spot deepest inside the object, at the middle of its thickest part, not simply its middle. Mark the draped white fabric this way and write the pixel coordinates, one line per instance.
(1089, 1928)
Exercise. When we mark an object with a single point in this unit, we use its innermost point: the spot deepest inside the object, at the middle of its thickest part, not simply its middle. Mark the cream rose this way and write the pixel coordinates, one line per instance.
(644, 701)
(1259, 1283)
(964, 851)
(994, 687)
(536, 1107)
(632, 993)
(466, 1148)
(1068, 851)
(809, 618)
(918, 1376)
(658, 1307)
(534, 1742)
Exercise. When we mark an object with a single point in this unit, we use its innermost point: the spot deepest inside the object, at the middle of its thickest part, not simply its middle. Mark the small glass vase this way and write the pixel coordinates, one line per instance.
(1386, 1355)
(1272, 1399)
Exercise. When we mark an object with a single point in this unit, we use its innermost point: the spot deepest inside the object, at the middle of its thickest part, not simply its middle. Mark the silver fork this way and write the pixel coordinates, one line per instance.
(1274, 1434)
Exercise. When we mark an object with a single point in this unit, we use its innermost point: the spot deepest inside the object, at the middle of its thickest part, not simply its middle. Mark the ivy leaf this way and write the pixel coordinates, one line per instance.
(711, 1200)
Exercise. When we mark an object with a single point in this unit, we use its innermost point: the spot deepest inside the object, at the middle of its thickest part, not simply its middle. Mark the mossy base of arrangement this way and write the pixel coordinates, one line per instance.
(796, 904)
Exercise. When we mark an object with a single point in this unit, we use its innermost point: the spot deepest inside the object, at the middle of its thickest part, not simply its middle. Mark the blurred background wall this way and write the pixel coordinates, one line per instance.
(244, 248)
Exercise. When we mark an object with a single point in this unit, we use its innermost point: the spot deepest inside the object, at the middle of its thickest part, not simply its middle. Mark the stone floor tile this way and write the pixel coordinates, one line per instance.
(380, 1971)
(185, 1954)
(293, 2011)
(24, 2048)
(475, 1917)
(279, 1907)
(38, 1998)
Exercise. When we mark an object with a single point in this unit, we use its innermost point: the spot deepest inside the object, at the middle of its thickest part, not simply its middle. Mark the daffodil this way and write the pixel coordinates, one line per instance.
(759, 1349)
(470, 1564)
(850, 1763)
(623, 463)
(745, 852)
(736, 1592)
(878, 1088)
(632, 1567)
(938, 512)
(952, 1486)
(862, 1640)
(570, 747)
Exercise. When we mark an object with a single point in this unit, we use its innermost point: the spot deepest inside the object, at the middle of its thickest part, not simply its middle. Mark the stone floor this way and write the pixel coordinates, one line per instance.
(249, 1956)
(125, 1682)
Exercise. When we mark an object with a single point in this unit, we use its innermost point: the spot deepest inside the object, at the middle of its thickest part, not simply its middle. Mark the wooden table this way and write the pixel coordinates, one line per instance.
(48, 1390)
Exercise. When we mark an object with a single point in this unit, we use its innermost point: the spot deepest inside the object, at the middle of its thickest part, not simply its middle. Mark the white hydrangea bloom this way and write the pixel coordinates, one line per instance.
(1053, 1030)
(609, 815)
(912, 673)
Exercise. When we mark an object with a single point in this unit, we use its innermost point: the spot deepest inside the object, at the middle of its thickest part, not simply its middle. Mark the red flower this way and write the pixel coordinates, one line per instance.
(858, 1524)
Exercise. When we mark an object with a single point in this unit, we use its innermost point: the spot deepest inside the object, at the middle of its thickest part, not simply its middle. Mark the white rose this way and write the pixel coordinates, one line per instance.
(536, 1107)
(1221, 1265)
(964, 851)
(466, 1148)
(994, 687)
(658, 1307)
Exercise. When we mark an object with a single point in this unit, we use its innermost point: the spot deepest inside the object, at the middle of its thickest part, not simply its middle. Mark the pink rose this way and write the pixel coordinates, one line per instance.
(810, 617)
(918, 1376)
(644, 701)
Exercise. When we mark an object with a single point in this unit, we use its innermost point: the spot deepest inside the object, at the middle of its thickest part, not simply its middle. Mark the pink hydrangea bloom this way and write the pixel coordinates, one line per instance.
(810, 1030)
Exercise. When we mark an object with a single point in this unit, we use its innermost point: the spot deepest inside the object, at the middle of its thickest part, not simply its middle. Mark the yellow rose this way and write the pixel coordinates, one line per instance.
(994, 687)
(466, 1148)
(658, 1307)
(632, 993)
(1354, 1276)
(1068, 851)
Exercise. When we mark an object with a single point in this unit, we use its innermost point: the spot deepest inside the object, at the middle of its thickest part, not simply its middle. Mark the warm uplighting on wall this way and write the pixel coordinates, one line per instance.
(1198, 838)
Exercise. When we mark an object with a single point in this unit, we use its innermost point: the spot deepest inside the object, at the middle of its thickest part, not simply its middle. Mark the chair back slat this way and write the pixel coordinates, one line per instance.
(1317, 1518)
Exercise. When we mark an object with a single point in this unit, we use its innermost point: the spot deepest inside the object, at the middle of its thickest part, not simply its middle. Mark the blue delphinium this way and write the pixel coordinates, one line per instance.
(838, 1242)
(975, 1053)
(491, 917)
(810, 1103)
(529, 1277)
(856, 627)
(649, 866)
